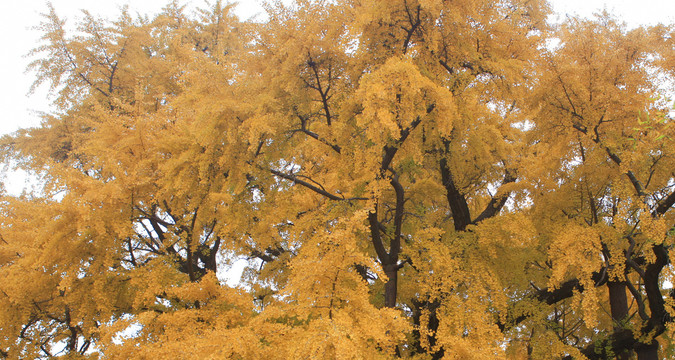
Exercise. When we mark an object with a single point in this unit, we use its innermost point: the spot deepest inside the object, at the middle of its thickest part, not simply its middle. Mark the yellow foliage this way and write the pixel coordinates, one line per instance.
(418, 179)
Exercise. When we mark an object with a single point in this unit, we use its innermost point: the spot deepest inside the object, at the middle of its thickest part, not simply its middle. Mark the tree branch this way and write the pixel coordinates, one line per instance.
(395, 245)
(497, 203)
(460, 210)
(665, 204)
(377, 238)
(316, 189)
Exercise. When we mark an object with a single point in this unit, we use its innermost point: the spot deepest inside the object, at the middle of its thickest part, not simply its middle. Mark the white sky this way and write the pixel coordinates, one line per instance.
(17, 38)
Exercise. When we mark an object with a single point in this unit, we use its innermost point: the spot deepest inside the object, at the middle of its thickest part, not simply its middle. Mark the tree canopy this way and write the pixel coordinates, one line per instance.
(417, 179)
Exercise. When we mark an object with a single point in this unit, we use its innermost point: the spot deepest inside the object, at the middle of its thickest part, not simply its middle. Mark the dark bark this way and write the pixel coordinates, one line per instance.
(622, 340)
(648, 351)
(72, 339)
(376, 238)
(208, 255)
(304, 120)
(619, 342)
(618, 302)
(323, 91)
(389, 259)
(431, 307)
(364, 272)
(497, 203)
(415, 22)
(658, 313)
(607, 348)
(456, 200)
(553, 296)
(312, 185)
(654, 324)
(391, 286)
(390, 268)
(637, 185)
(395, 245)
(566, 289)
(666, 204)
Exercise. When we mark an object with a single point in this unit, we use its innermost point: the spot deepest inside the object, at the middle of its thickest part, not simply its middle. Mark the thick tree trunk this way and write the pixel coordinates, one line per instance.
(618, 302)
(390, 286)
(648, 351)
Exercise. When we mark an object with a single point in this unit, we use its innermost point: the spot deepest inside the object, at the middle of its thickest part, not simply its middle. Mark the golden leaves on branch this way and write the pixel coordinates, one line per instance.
(414, 179)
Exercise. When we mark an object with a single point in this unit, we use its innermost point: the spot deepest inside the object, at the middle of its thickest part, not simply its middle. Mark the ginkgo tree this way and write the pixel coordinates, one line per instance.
(608, 198)
(413, 179)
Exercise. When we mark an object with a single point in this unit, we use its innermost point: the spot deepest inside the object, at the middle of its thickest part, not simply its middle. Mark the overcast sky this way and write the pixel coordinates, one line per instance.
(17, 38)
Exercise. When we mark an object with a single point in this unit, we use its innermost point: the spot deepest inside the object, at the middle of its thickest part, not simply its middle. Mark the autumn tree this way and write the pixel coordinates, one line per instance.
(127, 207)
(414, 179)
(408, 129)
(610, 187)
